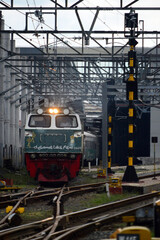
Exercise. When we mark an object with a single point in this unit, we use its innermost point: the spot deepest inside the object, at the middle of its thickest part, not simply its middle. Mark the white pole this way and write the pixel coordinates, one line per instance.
(89, 166)
(107, 189)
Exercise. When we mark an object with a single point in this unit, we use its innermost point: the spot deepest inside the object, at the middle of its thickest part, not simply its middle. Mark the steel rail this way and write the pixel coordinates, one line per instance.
(70, 191)
(19, 230)
(15, 207)
(79, 214)
(57, 219)
(28, 199)
(108, 206)
(15, 196)
(12, 199)
(85, 229)
(69, 232)
(53, 227)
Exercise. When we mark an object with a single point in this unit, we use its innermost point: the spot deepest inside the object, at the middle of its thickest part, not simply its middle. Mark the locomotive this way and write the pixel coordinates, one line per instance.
(53, 144)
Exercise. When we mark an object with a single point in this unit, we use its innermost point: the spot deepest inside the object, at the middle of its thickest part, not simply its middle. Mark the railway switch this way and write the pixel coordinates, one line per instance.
(14, 220)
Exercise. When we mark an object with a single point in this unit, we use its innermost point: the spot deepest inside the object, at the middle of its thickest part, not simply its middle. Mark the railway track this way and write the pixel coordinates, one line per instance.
(48, 227)
(48, 194)
(148, 175)
(27, 198)
(72, 225)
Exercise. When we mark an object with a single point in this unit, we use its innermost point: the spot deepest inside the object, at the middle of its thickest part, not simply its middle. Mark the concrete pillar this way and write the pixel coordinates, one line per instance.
(17, 134)
(12, 117)
(104, 126)
(23, 122)
(12, 123)
(2, 54)
(7, 83)
(23, 116)
(17, 146)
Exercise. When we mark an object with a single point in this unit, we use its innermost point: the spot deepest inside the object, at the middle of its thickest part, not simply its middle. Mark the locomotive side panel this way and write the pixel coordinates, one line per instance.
(91, 148)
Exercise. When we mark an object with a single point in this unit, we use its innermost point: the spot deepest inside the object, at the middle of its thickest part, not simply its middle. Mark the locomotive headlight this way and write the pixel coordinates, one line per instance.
(33, 155)
(53, 110)
(66, 111)
(40, 111)
(72, 156)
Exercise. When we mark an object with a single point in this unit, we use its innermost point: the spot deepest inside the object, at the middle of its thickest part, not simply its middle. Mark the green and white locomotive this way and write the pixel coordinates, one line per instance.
(53, 144)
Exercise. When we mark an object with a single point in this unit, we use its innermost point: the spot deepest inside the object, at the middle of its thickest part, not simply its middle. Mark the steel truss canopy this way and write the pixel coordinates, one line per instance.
(66, 50)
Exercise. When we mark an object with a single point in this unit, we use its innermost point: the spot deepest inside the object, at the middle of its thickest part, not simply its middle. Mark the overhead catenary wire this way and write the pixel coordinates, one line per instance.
(60, 34)
(33, 23)
(64, 36)
(101, 19)
(156, 105)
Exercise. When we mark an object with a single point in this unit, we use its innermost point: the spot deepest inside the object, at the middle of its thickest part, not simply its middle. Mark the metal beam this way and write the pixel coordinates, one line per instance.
(61, 8)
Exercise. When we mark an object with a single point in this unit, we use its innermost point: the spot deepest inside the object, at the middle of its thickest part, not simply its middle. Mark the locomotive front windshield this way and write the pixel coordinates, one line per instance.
(66, 121)
(40, 121)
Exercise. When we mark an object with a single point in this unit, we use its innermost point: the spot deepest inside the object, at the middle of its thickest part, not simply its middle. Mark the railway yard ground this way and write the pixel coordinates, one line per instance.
(76, 200)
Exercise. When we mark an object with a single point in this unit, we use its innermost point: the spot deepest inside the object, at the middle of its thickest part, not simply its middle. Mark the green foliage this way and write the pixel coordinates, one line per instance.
(86, 177)
(102, 198)
(93, 199)
(31, 215)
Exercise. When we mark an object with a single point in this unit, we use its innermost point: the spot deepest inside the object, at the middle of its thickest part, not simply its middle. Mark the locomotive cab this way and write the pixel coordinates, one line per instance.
(53, 145)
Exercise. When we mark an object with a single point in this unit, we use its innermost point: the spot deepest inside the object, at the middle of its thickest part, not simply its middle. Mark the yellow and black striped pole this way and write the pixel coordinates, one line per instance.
(109, 143)
(130, 172)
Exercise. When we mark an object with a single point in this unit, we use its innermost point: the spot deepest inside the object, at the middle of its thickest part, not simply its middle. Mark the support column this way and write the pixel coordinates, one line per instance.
(104, 126)
(1, 90)
(131, 22)
(17, 145)
(23, 116)
(12, 124)
(130, 173)
(7, 82)
(12, 114)
(109, 143)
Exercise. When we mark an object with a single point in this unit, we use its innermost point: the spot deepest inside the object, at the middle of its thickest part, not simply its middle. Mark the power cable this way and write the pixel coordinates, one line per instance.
(157, 105)
(33, 24)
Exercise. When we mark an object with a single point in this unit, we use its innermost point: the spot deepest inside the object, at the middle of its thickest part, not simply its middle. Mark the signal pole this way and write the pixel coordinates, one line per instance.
(131, 22)
(109, 143)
